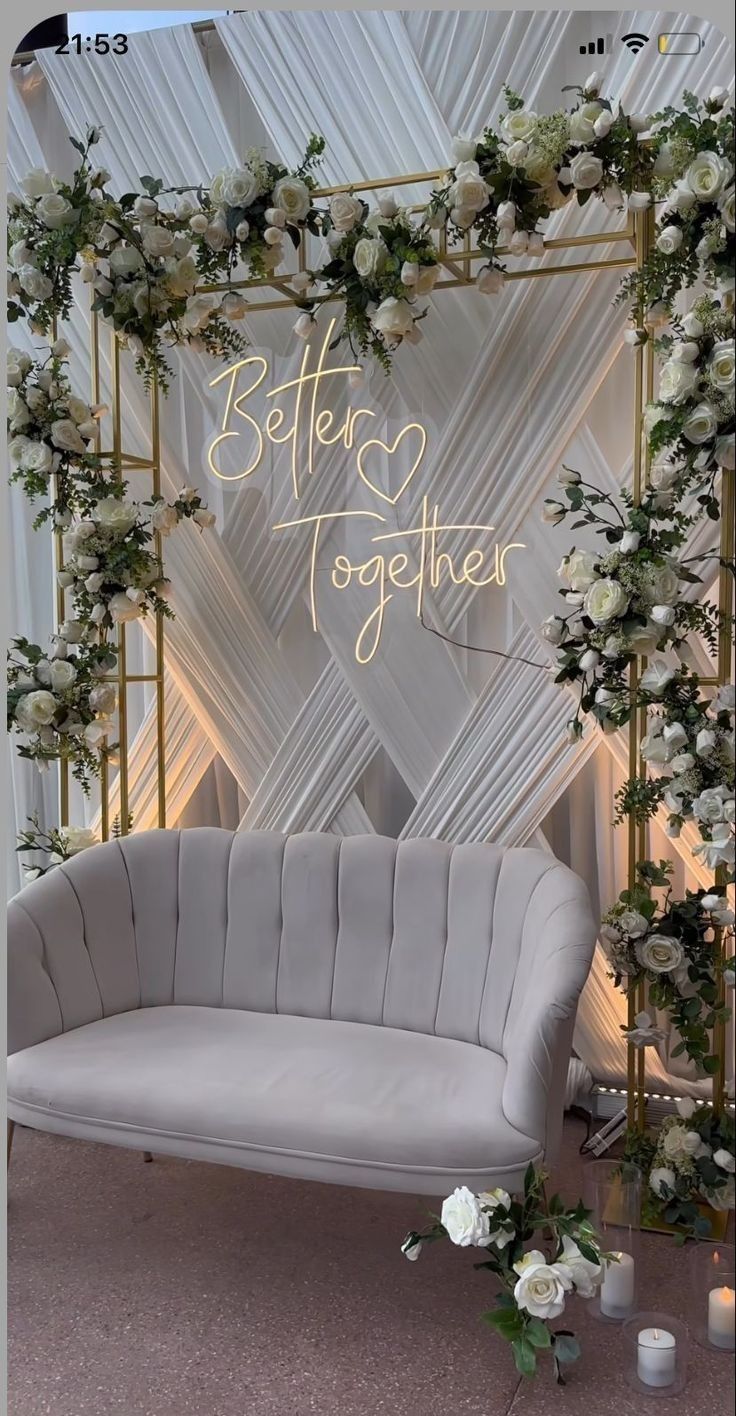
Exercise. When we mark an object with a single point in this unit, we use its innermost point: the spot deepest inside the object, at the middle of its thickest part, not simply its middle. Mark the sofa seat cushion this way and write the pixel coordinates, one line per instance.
(359, 1104)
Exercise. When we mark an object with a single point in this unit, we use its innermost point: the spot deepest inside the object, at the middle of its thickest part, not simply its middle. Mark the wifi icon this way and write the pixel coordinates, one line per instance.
(635, 42)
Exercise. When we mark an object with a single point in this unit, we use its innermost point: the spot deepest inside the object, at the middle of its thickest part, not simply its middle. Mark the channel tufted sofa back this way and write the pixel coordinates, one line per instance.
(474, 942)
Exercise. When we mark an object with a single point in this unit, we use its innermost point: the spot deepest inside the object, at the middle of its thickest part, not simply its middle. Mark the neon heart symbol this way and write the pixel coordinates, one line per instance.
(376, 442)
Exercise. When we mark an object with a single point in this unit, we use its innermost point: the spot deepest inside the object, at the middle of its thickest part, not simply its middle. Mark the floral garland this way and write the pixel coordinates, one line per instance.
(535, 1286)
(380, 264)
(635, 598)
(146, 259)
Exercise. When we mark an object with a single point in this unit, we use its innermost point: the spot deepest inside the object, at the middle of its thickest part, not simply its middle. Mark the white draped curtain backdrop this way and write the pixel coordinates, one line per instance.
(269, 725)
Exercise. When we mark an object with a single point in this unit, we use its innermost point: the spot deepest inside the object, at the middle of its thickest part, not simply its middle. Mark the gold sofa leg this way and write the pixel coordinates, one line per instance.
(147, 1156)
(11, 1133)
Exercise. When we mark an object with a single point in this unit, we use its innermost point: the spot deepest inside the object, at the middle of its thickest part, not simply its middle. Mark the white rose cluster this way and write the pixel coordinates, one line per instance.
(46, 423)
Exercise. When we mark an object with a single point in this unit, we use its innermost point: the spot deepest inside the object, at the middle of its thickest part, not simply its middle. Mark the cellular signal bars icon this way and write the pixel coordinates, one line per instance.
(598, 46)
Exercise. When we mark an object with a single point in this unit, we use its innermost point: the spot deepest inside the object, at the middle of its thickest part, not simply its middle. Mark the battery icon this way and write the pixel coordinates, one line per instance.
(682, 43)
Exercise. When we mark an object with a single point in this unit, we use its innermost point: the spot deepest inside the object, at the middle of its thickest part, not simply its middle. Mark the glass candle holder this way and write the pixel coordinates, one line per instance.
(656, 1352)
(612, 1191)
(714, 1296)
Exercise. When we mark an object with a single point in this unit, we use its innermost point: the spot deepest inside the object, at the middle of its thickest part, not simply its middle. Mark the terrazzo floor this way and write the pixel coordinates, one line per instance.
(178, 1288)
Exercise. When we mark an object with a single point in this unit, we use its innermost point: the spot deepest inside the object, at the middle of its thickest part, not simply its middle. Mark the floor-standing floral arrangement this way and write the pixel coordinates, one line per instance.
(533, 1284)
(638, 595)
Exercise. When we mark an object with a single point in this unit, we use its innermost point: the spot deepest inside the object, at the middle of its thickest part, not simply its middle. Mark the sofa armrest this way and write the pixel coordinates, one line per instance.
(557, 949)
(34, 1013)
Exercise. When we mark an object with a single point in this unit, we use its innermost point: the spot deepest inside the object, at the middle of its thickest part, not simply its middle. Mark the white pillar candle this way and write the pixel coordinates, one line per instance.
(618, 1287)
(656, 1357)
(721, 1317)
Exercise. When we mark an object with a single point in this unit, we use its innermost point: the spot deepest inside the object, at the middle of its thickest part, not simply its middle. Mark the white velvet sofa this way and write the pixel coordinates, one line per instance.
(369, 1012)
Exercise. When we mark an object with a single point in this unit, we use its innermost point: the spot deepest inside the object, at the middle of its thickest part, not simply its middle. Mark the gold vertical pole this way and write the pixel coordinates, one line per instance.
(725, 643)
(637, 837)
(122, 656)
(158, 550)
(59, 617)
(96, 393)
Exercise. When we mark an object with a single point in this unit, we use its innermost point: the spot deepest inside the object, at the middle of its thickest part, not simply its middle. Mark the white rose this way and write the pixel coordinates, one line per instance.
(727, 208)
(709, 806)
(656, 677)
(669, 240)
(464, 1220)
(721, 365)
(183, 278)
(65, 435)
(125, 260)
(164, 518)
(586, 171)
(55, 211)
(583, 121)
(145, 206)
(553, 511)
(664, 584)
(37, 457)
(234, 186)
(605, 600)
(589, 660)
(639, 201)
(705, 742)
(103, 698)
(632, 923)
(464, 149)
(345, 211)
(519, 126)
(685, 351)
(489, 281)
(707, 175)
(114, 515)
(121, 608)
(78, 410)
(95, 733)
(77, 838)
(157, 241)
(469, 191)
(369, 257)
(199, 223)
(516, 153)
(37, 183)
(553, 629)
(662, 1181)
(579, 569)
(603, 124)
(660, 953)
(701, 425)
(541, 1287)
(36, 285)
(393, 318)
(630, 541)
(35, 710)
(725, 1161)
(586, 1275)
(719, 850)
(692, 326)
(62, 674)
(204, 518)
(677, 381)
(679, 1144)
(292, 195)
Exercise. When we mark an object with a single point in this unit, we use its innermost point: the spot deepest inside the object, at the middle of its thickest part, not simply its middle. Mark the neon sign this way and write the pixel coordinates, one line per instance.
(383, 568)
